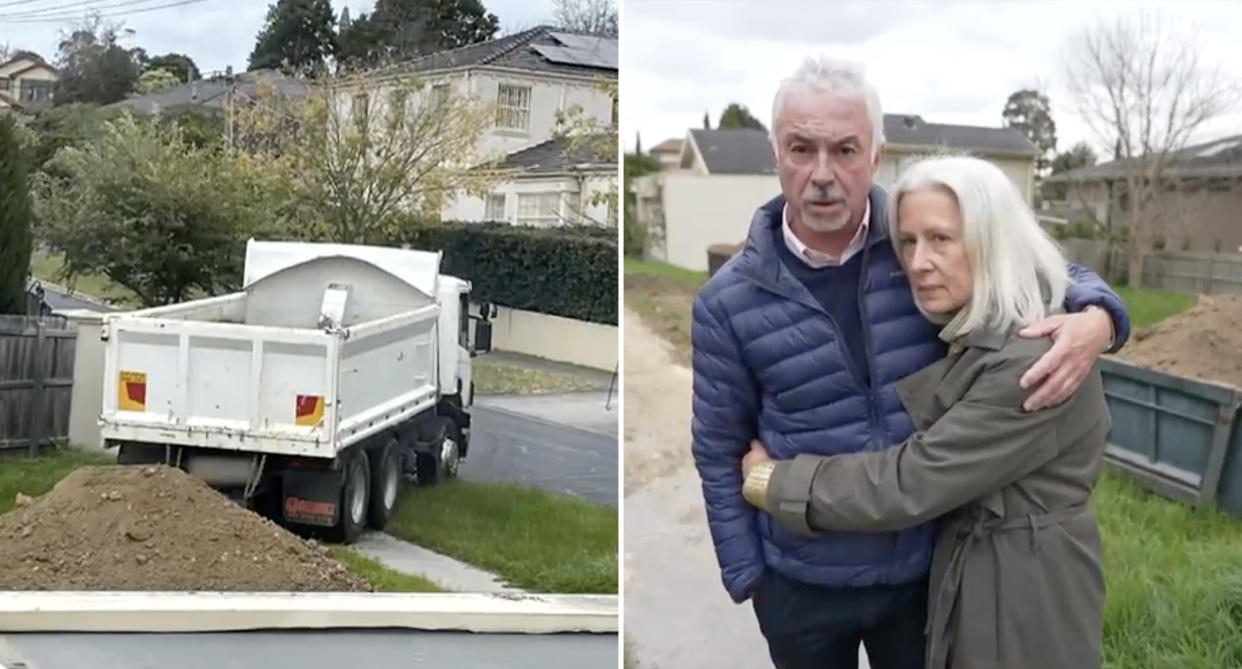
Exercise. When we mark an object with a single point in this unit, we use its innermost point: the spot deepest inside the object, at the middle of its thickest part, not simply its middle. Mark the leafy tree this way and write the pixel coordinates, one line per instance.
(1029, 111)
(707, 122)
(403, 29)
(156, 79)
(591, 140)
(65, 125)
(15, 215)
(179, 64)
(153, 214)
(737, 116)
(297, 38)
(591, 16)
(94, 66)
(358, 156)
(1080, 155)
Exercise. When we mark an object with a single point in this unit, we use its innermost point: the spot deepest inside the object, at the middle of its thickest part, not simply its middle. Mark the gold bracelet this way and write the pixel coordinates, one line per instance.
(755, 488)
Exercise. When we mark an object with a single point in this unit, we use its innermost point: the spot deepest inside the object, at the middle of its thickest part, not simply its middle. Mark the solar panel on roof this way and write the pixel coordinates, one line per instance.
(580, 57)
(585, 42)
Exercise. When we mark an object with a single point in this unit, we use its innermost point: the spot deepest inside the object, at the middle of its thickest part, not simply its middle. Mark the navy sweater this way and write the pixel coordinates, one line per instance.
(836, 288)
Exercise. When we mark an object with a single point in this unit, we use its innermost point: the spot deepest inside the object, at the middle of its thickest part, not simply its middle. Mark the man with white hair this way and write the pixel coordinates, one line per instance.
(798, 342)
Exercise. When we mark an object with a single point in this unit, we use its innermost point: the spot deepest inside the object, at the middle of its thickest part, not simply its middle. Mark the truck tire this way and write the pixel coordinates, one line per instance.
(445, 457)
(385, 484)
(355, 493)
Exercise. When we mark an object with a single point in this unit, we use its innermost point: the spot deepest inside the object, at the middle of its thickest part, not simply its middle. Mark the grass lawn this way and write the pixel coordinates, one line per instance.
(498, 378)
(532, 539)
(379, 576)
(1148, 306)
(662, 295)
(1174, 581)
(47, 267)
(36, 476)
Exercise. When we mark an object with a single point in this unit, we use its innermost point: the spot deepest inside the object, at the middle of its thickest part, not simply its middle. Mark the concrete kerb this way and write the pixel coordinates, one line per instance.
(179, 612)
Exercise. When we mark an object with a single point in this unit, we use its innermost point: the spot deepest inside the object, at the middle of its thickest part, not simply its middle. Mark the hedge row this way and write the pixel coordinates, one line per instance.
(570, 272)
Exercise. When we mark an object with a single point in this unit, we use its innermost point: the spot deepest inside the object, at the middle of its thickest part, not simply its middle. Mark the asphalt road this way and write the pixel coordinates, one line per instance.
(379, 649)
(510, 447)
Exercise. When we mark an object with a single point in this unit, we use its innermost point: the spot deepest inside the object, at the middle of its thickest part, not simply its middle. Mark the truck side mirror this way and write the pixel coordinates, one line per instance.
(482, 336)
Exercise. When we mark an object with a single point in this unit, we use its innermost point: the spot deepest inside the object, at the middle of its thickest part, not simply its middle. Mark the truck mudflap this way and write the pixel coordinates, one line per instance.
(312, 497)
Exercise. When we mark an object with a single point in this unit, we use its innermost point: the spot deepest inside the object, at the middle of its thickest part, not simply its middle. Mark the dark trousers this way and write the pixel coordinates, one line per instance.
(813, 627)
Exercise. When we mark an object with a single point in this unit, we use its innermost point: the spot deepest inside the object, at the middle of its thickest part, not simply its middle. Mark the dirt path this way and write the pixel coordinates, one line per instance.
(677, 615)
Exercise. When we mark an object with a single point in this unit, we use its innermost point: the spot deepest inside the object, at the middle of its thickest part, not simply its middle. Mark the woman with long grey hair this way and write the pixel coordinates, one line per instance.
(1015, 576)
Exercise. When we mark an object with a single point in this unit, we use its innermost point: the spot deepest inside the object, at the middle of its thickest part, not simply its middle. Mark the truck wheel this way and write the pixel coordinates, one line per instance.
(445, 459)
(355, 492)
(385, 484)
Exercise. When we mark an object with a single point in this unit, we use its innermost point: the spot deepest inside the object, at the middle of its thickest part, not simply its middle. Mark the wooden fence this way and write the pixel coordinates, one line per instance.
(1185, 271)
(1192, 272)
(36, 381)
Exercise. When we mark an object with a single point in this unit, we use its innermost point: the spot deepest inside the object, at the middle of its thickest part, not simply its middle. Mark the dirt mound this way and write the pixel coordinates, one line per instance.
(154, 528)
(1203, 342)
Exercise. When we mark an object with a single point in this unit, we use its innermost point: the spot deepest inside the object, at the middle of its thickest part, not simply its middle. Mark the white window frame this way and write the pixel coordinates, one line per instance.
(513, 107)
(490, 212)
(533, 208)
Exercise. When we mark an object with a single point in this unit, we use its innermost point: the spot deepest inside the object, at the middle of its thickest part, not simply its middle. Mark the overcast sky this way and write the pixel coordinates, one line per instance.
(950, 62)
(215, 33)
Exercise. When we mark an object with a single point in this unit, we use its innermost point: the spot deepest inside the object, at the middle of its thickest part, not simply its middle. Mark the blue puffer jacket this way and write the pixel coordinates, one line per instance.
(768, 362)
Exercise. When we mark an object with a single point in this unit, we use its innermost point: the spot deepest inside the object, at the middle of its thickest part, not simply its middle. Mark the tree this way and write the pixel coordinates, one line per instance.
(707, 122)
(360, 156)
(590, 16)
(297, 38)
(94, 66)
(1030, 112)
(638, 144)
(403, 29)
(1140, 85)
(179, 64)
(591, 140)
(1079, 155)
(15, 215)
(155, 79)
(737, 116)
(157, 216)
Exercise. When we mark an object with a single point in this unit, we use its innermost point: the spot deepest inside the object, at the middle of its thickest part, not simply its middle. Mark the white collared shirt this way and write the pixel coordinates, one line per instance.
(819, 259)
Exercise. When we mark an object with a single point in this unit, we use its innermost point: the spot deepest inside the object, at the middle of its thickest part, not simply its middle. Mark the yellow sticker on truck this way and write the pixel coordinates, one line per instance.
(309, 410)
(132, 392)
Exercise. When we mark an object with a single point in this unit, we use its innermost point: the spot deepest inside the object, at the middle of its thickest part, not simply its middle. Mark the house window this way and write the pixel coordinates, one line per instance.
(540, 209)
(495, 207)
(439, 95)
(37, 91)
(615, 115)
(4, 84)
(513, 107)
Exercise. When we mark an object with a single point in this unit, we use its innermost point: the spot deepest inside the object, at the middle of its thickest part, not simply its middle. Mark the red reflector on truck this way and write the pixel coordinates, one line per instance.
(132, 392)
(309, 410)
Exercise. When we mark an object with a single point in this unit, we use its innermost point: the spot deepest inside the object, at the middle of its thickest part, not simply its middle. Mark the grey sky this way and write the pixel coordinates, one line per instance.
(950, 62)
(215, 33)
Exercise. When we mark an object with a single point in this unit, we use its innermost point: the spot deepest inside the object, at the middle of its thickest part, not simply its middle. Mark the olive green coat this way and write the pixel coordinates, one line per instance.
(1015, 574)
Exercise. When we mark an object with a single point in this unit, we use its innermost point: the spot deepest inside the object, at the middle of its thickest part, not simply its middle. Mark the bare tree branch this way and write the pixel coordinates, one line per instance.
(1138, 83)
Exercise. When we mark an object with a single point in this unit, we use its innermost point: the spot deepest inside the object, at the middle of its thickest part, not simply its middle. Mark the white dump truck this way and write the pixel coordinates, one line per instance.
(308, 395)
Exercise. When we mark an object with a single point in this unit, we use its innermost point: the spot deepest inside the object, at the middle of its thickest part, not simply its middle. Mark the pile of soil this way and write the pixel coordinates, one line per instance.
(1203, 342)
(155, 528)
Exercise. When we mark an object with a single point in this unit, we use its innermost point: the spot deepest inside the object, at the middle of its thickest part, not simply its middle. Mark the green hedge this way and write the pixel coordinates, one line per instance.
(569, 272)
